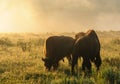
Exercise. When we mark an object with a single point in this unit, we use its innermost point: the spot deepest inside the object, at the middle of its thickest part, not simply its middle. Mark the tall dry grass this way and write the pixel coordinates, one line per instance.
(20, 61)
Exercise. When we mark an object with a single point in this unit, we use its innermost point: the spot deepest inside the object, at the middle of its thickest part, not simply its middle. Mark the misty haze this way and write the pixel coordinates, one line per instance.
(41, 41)
(59, 15)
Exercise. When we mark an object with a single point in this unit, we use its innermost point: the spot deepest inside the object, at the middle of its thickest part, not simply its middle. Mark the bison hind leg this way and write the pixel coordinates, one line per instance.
(98, 61)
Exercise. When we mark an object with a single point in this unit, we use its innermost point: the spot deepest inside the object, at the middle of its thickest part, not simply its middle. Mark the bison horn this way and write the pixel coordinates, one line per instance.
(43, 59)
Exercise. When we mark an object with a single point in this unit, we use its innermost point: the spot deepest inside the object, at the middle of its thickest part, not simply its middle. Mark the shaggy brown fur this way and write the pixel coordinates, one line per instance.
(87, 47)
(57, 47)
(79, 35)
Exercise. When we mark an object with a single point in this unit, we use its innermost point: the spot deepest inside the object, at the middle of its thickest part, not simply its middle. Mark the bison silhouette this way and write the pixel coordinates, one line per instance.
(87, 47)
(57, 47)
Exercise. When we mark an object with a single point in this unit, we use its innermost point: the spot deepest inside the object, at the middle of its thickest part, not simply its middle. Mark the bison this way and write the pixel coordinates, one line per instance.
(57, 47)
(87, 47)
(79, 35)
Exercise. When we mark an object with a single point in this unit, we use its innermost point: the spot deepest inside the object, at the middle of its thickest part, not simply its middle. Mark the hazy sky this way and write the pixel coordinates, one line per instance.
(59, 15)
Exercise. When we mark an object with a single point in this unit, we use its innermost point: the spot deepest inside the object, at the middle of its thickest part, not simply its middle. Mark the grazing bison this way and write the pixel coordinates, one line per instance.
(57, 47)
(87, 47)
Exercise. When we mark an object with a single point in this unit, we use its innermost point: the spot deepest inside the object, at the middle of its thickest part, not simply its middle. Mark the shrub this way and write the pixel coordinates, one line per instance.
(114, 62)
(5, 42)
(115, 41)
(26, 46)
(109, 75)
(117, 78)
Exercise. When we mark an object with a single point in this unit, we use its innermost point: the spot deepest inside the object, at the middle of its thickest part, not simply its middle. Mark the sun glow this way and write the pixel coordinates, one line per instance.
(17, 16)
(58, 15)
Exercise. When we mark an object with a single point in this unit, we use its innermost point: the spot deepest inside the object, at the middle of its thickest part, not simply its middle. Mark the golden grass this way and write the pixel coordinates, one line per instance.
(26, 67)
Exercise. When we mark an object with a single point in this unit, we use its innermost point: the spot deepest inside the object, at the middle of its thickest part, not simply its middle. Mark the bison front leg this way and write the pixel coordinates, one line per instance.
(74, 62)
(69, 59)
(55, 66)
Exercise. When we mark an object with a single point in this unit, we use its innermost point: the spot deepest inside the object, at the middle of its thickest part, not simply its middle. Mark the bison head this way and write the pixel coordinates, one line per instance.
(47, 63)
(79, 35)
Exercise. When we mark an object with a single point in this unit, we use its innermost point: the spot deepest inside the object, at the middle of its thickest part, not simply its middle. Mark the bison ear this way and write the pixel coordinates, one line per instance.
(43, 59)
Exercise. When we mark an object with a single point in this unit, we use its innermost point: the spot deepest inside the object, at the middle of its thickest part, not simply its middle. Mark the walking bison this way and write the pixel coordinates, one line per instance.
(87, 47)
(57, 47)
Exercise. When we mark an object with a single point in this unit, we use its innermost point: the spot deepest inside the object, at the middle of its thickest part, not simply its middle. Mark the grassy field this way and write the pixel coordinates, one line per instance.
(20, 61)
